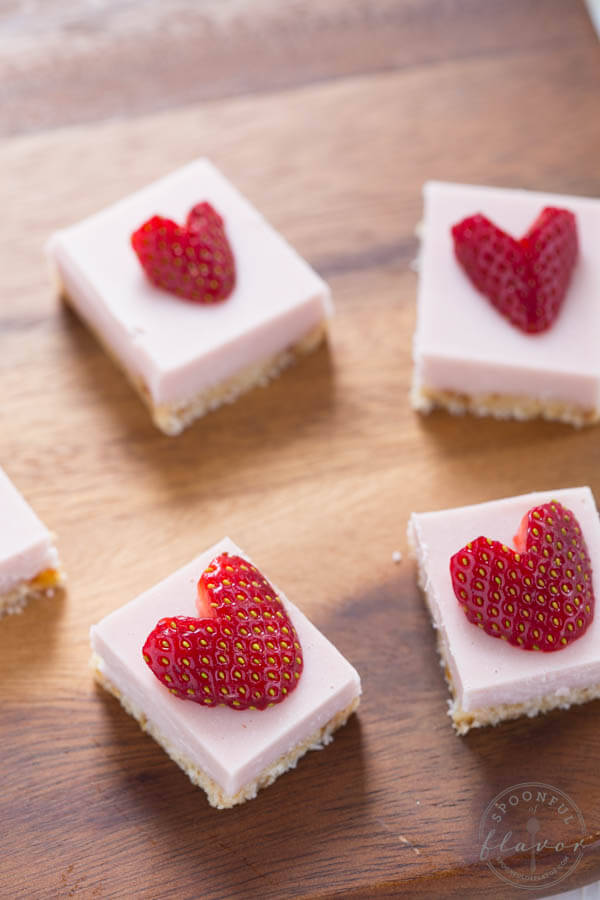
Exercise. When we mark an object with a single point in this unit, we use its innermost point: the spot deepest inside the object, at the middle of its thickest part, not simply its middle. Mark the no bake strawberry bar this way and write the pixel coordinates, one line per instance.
(525, 570)
(240, 303)
(468, 357)
(29, 565)
(234, 700)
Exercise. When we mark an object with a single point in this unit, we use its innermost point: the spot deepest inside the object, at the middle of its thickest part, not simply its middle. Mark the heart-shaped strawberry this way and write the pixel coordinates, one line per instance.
(527, 279)
(243, 651)
(194, 261)
(538, 598)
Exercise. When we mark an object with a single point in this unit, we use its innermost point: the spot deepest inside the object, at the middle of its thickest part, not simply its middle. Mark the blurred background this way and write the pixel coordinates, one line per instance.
(69, 61)
(329, 115)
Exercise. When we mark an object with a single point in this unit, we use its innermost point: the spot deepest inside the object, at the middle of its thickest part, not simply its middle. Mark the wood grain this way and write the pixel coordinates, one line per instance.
(65, 63)
(315, 477)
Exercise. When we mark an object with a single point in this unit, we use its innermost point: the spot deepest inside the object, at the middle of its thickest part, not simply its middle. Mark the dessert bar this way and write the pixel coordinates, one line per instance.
(187, 351)
(549, 608)
(232, 748)
(468, 357)
(29, 565)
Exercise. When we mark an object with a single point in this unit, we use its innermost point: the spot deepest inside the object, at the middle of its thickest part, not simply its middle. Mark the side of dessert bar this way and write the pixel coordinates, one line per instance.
(191, 291)
(235, 696)
(29, 563)
(510, 586)
(484, 343)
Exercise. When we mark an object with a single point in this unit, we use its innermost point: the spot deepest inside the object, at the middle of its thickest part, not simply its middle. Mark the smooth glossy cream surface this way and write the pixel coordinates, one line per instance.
(463, 344)
(25, 542)
(233, 747)
(176, 347)
(487, 671)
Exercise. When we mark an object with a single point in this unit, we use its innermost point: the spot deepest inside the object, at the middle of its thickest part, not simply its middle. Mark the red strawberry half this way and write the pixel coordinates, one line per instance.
(243, 652)
(538, 598)
(527, 279)
(194, 261)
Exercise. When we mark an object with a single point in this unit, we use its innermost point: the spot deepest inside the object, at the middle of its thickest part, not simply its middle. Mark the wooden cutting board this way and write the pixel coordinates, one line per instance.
(315, 477)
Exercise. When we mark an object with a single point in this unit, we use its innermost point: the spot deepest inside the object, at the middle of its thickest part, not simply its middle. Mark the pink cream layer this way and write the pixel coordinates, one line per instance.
(178, 348)
(463, 344)
(25, 543)
(487, 671)
(232, 747)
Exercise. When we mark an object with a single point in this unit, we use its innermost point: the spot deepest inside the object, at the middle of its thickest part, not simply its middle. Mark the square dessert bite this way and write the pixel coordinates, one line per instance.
(29, 565)
(527, 601)
(235, 696)
(210, 303)
(469, 355)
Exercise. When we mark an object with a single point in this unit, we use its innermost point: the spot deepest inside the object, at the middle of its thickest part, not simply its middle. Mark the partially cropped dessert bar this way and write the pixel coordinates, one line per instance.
(191, 291)
(225, 673)
(511, 586)
(508, 317)
(29, 565)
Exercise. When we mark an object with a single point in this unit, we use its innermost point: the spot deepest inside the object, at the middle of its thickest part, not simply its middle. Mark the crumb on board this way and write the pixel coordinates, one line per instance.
(397, 556)
(409, 844)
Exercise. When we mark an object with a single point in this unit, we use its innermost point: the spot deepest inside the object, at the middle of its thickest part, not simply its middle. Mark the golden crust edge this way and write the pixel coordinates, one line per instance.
(172, 418)
(214, 792)
(463, 720)
(501, 406)
(15, 600)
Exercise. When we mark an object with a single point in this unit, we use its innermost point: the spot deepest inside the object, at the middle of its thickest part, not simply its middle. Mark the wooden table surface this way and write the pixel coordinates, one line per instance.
(329, 117)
